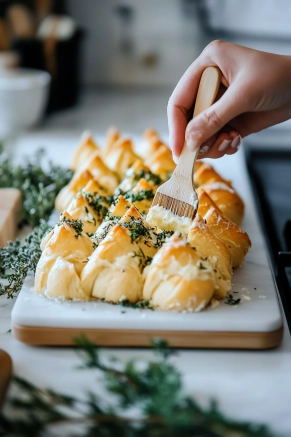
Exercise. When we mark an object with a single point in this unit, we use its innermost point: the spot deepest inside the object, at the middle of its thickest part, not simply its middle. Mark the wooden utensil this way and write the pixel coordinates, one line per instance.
(43, 8)
(21, 22)
(178, 194)
(4, 36)
(10, 207)
(5, 374)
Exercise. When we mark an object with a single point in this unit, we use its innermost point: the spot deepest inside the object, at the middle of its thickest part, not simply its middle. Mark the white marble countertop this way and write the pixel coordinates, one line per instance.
(249, 385)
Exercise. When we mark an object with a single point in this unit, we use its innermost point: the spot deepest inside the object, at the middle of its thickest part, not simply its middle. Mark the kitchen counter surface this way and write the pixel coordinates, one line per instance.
(249, 385)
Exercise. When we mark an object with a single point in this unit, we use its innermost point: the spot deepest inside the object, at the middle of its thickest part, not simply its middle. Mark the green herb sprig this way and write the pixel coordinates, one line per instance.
(18, 259)
(39, 185)
(146, 400)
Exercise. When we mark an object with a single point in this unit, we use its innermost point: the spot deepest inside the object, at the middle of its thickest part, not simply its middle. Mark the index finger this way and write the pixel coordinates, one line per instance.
(181, 103)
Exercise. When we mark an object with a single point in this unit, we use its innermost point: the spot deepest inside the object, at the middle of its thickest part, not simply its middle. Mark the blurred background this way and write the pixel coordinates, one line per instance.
(117, 61)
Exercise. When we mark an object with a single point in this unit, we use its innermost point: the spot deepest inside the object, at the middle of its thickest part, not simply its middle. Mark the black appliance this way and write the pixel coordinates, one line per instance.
(270, 175)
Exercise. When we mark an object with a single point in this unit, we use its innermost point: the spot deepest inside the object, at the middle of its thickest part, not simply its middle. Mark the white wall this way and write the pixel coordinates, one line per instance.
(160, 28)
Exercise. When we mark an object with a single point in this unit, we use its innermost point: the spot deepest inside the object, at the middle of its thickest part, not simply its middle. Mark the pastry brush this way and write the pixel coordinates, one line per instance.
(178, 194)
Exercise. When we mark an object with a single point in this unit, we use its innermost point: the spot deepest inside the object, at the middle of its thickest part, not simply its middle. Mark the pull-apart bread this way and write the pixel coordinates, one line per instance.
(121, 156)
(84, 151)
(114, 271)
(220, 191)
(90, 206)
(178, 279)
(110, 245)
(95, 169)
(65, 252)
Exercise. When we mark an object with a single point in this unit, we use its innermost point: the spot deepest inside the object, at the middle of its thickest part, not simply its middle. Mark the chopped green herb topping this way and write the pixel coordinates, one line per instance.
(231, 301)
(107, 224)
(139, 196)
(142, 258)
(148, 176)
(137, 230)
(142, 304)
(99, 203)
(77, 225)
(161, 237)
(202, 267)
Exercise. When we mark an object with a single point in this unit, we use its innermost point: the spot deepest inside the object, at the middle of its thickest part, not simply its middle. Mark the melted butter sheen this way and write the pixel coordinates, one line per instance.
(188, 272)
(168, 221)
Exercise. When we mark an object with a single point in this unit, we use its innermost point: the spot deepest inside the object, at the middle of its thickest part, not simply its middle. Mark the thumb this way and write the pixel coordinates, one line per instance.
(213, 119)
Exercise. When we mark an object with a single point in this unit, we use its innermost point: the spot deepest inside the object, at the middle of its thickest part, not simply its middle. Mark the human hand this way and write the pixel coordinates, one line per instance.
(255, 94)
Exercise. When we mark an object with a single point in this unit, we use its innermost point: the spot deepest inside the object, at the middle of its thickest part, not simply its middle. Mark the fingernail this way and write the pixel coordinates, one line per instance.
(192, 144)
(224, 145)
(203, 150)
(175, 159)
(236, 142)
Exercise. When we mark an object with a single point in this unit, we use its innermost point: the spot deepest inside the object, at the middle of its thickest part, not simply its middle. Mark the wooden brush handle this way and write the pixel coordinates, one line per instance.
(5, 372)
(207, 92)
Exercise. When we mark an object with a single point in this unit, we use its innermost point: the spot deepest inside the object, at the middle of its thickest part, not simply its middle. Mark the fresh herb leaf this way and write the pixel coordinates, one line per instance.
(139, 196)
(202, 267)
(137, 229)
(146, 399)
(142, 304)
(144, 260)
(161, 237)
(18, 259)
(148, 176)
(77, 225)
(39, 187)
(99, 203)
(231, 301)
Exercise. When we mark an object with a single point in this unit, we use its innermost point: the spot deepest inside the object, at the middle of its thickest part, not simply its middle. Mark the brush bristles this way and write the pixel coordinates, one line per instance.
(177, 207)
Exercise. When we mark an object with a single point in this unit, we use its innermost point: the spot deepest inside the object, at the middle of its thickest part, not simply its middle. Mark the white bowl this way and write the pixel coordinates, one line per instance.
(23, 98)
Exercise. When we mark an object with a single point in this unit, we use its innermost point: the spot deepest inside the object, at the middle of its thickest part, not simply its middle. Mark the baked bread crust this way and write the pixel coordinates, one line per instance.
(232, 235)
(178, 279)
(220, 191)
(209, 246)
(84, 151)
(161, 162)
(112, 136)
(64, 256)
(131, 250)
(121, 156)
(66, 195)
(114, 271)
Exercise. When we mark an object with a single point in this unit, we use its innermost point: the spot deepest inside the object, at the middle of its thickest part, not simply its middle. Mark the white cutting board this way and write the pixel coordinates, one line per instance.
(255, 322)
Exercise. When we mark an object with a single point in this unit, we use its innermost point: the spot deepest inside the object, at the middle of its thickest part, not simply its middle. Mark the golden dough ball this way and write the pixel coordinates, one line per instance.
(178, 279)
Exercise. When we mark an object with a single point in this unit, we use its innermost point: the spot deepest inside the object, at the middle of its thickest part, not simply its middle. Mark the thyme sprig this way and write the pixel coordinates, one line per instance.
(146, 399)
(18, 259)
(39, 187)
